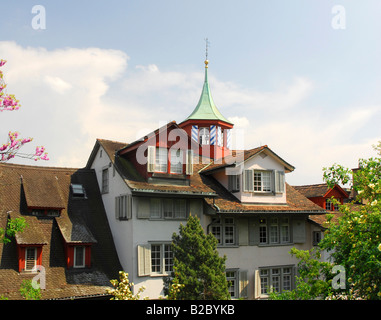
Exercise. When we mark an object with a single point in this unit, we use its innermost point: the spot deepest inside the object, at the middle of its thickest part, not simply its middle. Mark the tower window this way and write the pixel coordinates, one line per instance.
(204, 136)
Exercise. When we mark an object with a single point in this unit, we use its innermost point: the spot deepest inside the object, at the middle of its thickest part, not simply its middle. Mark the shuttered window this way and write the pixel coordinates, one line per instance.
(123, 207)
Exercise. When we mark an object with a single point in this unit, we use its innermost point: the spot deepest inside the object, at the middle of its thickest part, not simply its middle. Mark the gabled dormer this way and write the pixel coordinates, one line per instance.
(258, 177)
(207, 126)
(165, 156)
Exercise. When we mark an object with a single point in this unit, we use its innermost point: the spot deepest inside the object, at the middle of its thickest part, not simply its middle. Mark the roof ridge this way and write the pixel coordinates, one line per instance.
(48, 168)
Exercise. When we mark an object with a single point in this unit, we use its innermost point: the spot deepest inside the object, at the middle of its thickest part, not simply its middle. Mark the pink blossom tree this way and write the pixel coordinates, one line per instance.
(11, 148)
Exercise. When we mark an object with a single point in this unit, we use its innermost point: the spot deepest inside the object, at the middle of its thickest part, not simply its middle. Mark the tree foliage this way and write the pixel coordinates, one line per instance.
(197, 267)
(353, 240)
(123, 288)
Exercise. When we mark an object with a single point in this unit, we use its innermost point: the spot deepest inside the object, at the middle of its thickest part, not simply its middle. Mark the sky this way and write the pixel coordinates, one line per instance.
(302, 77)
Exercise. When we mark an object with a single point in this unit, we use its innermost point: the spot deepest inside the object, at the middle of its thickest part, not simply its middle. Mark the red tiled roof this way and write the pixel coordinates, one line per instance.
(214, 193)
(81, 220)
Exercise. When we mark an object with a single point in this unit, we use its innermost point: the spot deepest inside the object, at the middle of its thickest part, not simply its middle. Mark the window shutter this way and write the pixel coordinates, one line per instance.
(248, 180)
(279, 181)
(128, 206)
(144, 260)
(143, 208)
(257, 285)
(151, 158)
(243, 232)
(189, 162)
(243, 284)
(299, 231)
(117, 210)
(253, 231)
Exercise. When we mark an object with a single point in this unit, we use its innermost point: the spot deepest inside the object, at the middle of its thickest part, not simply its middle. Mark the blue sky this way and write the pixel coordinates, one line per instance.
(278, 69)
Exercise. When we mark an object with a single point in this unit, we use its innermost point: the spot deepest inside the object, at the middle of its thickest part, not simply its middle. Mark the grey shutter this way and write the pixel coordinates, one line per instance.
(279, 181)
(128, 206)
(143, 211)
(117, 208)
(243, 284)
(151, 158)
(248, 180)
(243, 232)
(299, 230)
(253, 231)
(144, 260)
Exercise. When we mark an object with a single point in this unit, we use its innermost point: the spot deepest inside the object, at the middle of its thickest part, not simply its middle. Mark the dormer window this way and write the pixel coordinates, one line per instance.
(161, 164)
(176, 161)
(204, 136)
(157, 160)
(78, 190)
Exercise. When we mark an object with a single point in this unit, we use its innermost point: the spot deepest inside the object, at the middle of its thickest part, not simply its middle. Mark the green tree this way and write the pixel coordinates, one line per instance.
(197, 267)
(13, 226)
(353, 240)
(29, 292)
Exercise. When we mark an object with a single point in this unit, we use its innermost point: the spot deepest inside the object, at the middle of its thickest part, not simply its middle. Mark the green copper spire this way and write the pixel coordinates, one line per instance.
(206, 108)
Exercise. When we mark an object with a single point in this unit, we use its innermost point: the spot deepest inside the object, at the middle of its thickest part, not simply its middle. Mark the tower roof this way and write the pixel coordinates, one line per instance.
(206, 108)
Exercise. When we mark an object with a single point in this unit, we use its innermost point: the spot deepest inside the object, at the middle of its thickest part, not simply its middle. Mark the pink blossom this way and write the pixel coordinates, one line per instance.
(2, 62)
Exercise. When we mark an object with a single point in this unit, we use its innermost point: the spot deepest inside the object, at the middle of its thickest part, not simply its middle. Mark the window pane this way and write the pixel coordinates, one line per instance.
(229, 231)
(263, 231)
(155, 258)
(167, 208)
(266, 181)
(204, 136)
(229, 234)
(79, 256)
(176, 161)
(231, 278)
(216, 231)
(180, 209)
(155, 208)
(168, 258)
(30, 258)
(257, 181)
(161, 160)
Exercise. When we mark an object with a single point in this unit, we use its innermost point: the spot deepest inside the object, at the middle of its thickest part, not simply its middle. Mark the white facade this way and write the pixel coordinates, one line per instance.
(142, 239)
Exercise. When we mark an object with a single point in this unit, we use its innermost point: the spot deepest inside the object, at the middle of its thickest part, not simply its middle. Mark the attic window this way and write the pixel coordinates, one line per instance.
(78, 190)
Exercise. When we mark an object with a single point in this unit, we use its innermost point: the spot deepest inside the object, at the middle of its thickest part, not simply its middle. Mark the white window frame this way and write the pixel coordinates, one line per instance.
(224, 230)
(276, 277)
(162, 262)
(267, 227)
(79, 264)
(262, 181)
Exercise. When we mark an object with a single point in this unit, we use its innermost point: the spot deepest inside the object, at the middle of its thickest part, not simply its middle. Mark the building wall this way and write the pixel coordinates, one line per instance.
(122, 230)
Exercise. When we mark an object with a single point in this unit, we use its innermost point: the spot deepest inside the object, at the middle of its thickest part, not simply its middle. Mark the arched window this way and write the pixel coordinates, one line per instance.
(204, 136)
